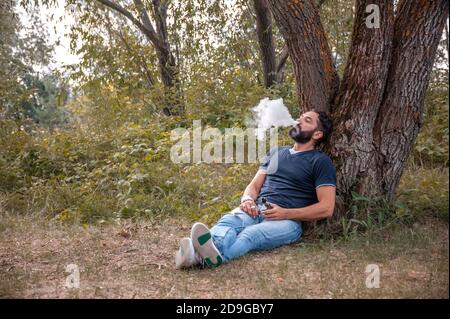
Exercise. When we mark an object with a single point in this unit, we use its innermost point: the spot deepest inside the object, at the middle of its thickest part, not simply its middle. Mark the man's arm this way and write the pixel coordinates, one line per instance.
(252, 190)
(255, 185)
(323, 209)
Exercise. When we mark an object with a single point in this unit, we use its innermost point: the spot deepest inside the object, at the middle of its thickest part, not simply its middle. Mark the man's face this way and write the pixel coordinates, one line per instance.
(307, 125)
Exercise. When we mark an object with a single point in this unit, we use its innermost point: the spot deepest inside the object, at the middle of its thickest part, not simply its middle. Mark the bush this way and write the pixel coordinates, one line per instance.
(113, 162)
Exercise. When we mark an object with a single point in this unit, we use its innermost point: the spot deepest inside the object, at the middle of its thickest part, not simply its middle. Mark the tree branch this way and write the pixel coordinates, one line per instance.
(282, 63)
(150, 33)
(160, 17)
(144, 16)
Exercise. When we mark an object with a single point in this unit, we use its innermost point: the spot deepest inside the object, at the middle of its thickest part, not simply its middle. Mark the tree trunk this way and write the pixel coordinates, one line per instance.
(358, 101)
(167, 63)
(273, 70)
(165, 57)
(315, 74)
(265, 41)
(418, 30)
(378, 109)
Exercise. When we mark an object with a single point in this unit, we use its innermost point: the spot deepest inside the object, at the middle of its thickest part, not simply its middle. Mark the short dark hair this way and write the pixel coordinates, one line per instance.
(325, 125)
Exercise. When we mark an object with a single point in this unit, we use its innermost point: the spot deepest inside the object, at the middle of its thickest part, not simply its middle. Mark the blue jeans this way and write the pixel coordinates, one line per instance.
(237, 233)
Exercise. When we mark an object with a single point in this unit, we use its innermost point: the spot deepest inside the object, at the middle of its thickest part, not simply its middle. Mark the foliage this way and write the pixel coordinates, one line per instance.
(24, 94)
(101, 152)
(422, 192)
(337, 18)
(432, 143)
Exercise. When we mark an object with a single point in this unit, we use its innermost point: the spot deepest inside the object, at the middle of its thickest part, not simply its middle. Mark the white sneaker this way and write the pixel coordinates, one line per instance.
(204, 246)
(186, 256)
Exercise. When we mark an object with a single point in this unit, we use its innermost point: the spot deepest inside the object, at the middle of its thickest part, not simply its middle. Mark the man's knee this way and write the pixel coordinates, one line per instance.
(229, 220)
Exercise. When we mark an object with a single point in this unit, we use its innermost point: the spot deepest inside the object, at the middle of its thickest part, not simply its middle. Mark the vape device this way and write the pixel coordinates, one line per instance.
(266, 203)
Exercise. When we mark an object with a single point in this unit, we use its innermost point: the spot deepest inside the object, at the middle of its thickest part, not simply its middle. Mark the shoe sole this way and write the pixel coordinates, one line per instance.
(203, 244)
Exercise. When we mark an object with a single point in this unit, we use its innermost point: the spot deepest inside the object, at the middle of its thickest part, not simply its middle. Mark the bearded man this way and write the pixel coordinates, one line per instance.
(293, 184)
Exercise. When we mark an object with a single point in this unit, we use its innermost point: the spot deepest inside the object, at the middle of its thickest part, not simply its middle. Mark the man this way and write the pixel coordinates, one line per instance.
(302, 187)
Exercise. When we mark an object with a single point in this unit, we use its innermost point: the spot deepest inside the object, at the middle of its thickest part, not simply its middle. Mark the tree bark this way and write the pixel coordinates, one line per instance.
(358, 101)
(418, 30)
(315, 74)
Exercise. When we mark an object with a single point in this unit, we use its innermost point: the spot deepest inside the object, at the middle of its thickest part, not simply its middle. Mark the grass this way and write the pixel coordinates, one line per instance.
(135, 260)
(425, 191)
(44, 230)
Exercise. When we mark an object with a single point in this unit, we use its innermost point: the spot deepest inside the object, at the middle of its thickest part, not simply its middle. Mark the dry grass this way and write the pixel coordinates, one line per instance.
(135, 260)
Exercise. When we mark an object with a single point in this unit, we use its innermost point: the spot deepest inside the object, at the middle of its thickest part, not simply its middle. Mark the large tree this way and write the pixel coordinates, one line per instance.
(378, 105)
(157, 35)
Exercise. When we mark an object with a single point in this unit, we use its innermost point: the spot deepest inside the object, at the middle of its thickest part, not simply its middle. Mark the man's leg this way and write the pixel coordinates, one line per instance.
(226, 230)
(204, 245)
(207, 242)
(264, 235)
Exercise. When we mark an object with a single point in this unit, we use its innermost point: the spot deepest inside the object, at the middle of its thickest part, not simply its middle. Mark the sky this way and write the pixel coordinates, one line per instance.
(62, 51)
(57, 30)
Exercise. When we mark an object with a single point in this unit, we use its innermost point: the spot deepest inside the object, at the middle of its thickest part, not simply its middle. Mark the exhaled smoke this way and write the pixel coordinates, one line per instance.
(271, 114)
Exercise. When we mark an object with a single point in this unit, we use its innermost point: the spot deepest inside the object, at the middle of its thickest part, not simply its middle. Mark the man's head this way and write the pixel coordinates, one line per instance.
(312, 125)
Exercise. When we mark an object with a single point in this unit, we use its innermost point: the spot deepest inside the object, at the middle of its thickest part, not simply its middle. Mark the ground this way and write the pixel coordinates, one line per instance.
(136, 260)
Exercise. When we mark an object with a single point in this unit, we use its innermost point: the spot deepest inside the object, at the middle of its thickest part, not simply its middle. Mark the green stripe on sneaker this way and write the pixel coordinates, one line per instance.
(204, 238)
(213, 265)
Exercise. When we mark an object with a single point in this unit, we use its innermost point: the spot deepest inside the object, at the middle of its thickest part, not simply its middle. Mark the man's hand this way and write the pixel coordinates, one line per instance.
(249, 206)
(275, 213)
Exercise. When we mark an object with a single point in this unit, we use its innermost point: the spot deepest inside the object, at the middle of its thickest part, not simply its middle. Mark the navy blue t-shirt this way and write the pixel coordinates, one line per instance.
(292, 182)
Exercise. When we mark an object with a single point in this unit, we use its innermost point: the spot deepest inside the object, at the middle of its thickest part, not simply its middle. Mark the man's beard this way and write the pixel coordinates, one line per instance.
(300, 136)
